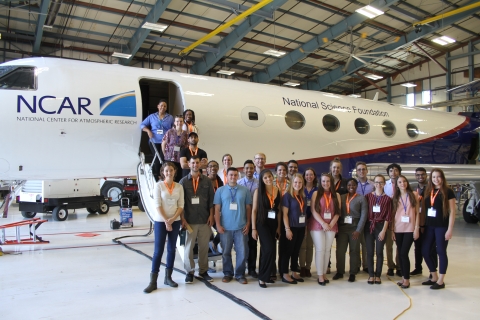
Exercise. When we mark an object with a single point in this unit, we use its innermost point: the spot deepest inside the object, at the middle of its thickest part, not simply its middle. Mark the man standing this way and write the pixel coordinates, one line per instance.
(192, 150)
(394, 170)
(260, 160)
(252, 184)
(233, 210)
(292, 168)
(365, 186)
(198, 215)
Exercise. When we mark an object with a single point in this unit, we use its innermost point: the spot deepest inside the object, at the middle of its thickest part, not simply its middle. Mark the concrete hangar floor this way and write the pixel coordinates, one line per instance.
(82, 274)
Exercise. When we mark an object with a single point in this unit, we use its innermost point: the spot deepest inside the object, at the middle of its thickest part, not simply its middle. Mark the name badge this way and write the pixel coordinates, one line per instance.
(171, 201)
(308, 203)
(432, 212)
(348, 220)
(406, 219)
(160, 131)
(271, 214)
(195, 200)
(327, 215)
(301, 219)
(233, 206)
(420, 209)
(376, 208)
(176, 148)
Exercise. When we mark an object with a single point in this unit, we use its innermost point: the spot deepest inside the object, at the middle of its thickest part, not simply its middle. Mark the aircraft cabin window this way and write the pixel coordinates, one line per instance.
(388, 128)
(253, 116)
(17, 78)
(362, 126)
(330, 123)
(412, 130)
(295, 120)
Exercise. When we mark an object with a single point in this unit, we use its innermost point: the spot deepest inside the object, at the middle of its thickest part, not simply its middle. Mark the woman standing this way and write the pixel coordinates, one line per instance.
(350, 228)
(281, 180)
(294, 219)
(227, 162)
(189, 123)
(379, 215)
(168, 196)
(325, 211)
(306, 250)
(172, 142)
(266, 224)
(440, 205)
(406, 226)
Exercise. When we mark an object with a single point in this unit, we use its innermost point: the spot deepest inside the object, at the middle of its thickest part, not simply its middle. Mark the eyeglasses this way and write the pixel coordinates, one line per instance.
(362, 169)
(260, 159)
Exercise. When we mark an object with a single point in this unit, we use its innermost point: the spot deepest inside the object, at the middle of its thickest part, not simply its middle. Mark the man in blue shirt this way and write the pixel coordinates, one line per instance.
(156, 126)
(233, 210)
(260, 159)
(252, 184)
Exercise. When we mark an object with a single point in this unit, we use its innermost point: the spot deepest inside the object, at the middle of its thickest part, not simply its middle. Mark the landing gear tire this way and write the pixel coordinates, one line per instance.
(140, 204)
(103, 208)
(28, 214)
(90, 210)
(112, 190)
(467, 216)
(60, 213)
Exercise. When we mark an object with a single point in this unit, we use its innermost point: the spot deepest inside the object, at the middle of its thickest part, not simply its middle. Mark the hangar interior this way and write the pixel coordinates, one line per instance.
(411, 54)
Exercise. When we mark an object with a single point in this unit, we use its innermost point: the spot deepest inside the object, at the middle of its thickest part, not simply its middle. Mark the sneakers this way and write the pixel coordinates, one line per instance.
(416, 272)
(189, 278)
(206, 277)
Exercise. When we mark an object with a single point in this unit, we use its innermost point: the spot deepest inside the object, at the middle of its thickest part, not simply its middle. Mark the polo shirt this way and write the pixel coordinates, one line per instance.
(154, 123)
(233, 219)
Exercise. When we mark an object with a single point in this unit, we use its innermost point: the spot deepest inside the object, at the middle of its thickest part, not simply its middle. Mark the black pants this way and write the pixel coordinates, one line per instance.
(156, 164)
(252, 251)
(344, 240)
(404, 243)
(266, 233)
(374, 245)
(418, 252)
(291, 249)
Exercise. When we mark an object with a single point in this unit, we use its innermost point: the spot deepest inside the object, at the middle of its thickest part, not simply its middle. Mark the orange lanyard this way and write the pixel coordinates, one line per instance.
(301, 203)
(190, 128)
(271, 198)
(348, 202)
(193, 154)
(284, 186)
(170, 190)
(338, 184)
(224, 176)
(327, 201)
(195, 185)
(432, 197)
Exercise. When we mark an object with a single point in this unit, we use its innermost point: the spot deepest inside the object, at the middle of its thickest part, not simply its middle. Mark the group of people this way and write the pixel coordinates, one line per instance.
(300, 211)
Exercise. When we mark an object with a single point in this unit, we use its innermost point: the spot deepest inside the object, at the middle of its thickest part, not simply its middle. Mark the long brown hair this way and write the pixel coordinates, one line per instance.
(301, 192)
(443, 190)
(321, 192)
(397, 195)
(263, 203)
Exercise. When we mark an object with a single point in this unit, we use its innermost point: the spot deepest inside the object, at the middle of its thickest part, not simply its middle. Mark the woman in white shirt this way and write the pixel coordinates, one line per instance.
(169, 201)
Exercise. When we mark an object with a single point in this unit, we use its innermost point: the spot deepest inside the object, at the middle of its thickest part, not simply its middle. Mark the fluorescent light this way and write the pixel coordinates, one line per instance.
(353, 95)
(330, 95)
(227, 72)
(370, 11)
(275, 53)
(291, 84)
(154, 26)
(443, 40)
(121, 55)
(373, 76)
(409, 85)
(47, 27)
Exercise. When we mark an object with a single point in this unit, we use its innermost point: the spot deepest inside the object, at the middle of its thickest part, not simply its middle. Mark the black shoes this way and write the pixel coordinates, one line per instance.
(390, 272)
(262, 285)
(416, 272)
(428, 282)
(253, 274)
(189, 278)
(365, 269)
(337, 276)
(437, 286)
(399, 273)
(297, 279)
(405, 286)
(351, 278)
(205, 276)
(371, 281)
(289, 282)
(323, 284)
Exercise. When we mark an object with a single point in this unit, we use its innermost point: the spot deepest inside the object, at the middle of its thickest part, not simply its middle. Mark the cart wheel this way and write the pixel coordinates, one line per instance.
(469, 218)
(28, 214)
(60, 213)
(103, 208)
(112, 190)
(90, 210)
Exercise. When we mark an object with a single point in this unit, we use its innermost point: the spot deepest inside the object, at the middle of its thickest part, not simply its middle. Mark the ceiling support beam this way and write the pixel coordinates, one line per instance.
(325, 80)
(40, 23)
(303, 51)
(141, 34)
(430, 57)
(209, 60)
(371, 82)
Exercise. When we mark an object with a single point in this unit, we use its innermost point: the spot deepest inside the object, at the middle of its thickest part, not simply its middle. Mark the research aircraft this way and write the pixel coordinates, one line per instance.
(65, 119)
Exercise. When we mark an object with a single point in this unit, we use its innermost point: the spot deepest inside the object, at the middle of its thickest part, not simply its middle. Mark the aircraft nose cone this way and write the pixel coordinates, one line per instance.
(4, 165)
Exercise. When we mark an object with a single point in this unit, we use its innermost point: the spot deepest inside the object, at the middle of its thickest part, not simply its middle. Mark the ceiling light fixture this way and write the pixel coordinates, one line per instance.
(274, 53)
(226, 72)
(154, 26)
(121, 55)
(291, 84)
(443, 40)
(409, 85)
(370, 11)
(353, 95)
(373, 76)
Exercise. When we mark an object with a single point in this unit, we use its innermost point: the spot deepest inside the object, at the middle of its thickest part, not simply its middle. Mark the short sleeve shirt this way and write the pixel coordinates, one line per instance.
(188, 154)
(159, 127)
(438, 220)
(173, 140)
(225, 196)
(405, 210)
(294, 210)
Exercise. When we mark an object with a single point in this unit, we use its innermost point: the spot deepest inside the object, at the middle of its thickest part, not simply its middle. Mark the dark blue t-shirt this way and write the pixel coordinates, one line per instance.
(294, 211)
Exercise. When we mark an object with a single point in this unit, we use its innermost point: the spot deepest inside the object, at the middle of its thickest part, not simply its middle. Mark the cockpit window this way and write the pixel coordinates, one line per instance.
(18, 78)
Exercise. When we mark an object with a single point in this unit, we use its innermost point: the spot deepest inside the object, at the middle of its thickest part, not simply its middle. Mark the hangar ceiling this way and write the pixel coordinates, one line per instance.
(316, 37)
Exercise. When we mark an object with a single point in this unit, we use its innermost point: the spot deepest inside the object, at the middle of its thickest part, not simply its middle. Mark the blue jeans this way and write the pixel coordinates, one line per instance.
(161, 235)
(228, 239)
(435, 236)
